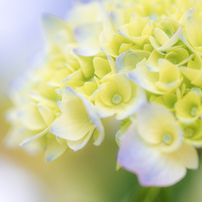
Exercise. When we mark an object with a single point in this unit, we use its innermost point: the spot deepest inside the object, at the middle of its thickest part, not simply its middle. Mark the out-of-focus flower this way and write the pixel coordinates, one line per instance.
(154, 149)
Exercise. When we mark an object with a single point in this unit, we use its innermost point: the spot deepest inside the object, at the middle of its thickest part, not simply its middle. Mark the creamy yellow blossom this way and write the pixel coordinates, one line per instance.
(118, 95)
(193, 133)
(188, 109)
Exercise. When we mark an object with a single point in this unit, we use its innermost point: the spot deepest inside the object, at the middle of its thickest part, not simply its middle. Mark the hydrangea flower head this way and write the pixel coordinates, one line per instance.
(136, 60)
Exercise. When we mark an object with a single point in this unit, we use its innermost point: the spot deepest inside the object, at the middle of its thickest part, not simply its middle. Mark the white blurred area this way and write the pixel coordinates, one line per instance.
(19, 185)
(21, 33)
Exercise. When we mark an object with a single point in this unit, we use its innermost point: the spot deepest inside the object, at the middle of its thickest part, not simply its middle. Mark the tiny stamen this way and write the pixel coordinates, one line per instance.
(189, 132)
(167, 139)
(194, 111)
(117, 99)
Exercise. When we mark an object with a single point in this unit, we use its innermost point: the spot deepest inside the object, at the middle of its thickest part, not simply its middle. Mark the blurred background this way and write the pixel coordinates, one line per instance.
(85, 176)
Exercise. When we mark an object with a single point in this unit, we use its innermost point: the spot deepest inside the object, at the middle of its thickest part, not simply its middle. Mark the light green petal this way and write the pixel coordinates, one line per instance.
(75, 79)
(112, 47)
(86, 64)
(36, 147)
(123, 85)
(188, 109)
(198, 79)
(145, 78)
(30, 116)
(125, 32)
(47, 114)
(82, 13)
(44, 100)
(90, 87)
(98, 137)
(180, 56)
(108, 27)
(35, 137)
(107, 91)
(168, 100)
(121, 131)
(193, 27)
(101, 67)
(78, 116)
(16, 135)
(137, 24)
(168, 87)
(103, 109)
(126, 107)
(79, 144)
(127, 61)
(160, 36)
(54, 149)
(152, 62)
(186, 15)
(185, 41)
(112, 64)
(166, 46)
(148, 118)
(189, 73)
(187, 156)
(124, 47)
(74, 122)
(168, 72)
(193, 133)
(131, 107)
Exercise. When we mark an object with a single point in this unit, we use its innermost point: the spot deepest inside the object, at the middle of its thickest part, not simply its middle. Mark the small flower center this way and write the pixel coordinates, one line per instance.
(194, 111)
(117, 99)
(167, 139)
(189, 132)
(173, 60)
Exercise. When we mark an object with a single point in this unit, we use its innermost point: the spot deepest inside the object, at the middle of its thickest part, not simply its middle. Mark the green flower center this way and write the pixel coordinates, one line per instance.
(194, 111)
(117, 99)
(189, 132)
(167, 139)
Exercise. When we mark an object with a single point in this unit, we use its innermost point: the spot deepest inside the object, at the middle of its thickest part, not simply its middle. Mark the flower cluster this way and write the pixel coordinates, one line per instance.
(137, 60)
